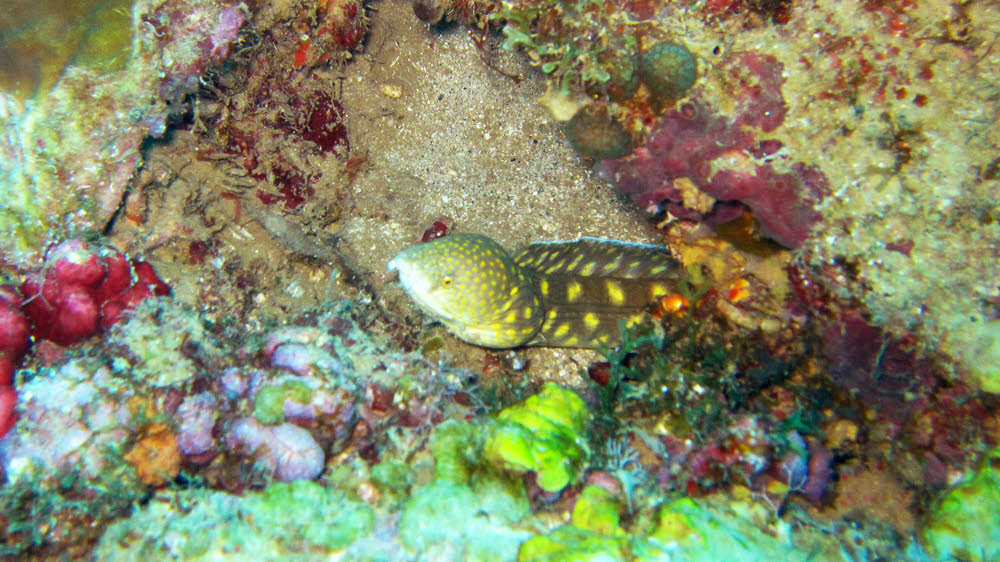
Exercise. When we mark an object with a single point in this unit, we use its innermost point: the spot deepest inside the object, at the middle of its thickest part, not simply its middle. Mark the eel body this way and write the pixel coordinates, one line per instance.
(557, 294)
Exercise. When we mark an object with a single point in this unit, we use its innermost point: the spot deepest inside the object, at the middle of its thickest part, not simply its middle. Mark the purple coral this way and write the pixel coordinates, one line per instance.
(303, 351)
(287, 451)
(196, 418)
(721, 156)
(66, 422)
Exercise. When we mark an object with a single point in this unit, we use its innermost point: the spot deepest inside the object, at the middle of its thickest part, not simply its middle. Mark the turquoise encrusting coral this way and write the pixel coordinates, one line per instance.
(293, 521)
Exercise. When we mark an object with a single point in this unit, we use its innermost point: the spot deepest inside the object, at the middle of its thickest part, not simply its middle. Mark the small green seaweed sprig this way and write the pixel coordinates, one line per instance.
(586, 43)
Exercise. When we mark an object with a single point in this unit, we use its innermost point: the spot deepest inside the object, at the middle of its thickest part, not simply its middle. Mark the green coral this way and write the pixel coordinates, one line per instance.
(594, 533)
(544, 434)
(964, 525)
(468, 511)
(287, 521)
(596, 510)
(268, 404)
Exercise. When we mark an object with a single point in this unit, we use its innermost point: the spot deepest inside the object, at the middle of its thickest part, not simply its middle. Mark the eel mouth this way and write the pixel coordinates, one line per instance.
(419, 287)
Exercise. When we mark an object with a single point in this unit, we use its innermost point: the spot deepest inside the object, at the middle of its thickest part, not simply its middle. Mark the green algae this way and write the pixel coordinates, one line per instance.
(593, 534)
(287, 521)
(469, 511)
(569, 51)
(964, 525)
(161, 336)
(544, 434)
(269, 402)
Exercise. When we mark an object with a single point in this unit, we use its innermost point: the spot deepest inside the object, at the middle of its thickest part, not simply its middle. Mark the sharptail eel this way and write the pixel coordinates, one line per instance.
(557, 294)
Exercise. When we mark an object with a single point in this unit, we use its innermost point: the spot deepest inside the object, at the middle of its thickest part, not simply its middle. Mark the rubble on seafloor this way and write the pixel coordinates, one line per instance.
(200, 351)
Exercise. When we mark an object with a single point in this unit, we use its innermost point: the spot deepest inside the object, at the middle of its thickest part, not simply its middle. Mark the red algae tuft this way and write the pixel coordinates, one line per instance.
(271, 145)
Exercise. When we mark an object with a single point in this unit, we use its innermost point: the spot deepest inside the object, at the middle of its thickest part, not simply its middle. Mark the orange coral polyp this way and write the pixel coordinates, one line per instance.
(155, 456)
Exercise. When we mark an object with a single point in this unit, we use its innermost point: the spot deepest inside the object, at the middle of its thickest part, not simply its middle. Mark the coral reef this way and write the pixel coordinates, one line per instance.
(696, 148)
(81, 290)
(818, 387)
(85, 288)
(79, 416)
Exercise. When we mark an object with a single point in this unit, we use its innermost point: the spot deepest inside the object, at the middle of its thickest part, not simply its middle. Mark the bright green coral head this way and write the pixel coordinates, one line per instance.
(473, 287)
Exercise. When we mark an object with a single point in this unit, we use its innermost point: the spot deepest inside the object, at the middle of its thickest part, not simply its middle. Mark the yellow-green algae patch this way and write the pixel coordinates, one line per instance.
(470, 510)
(269, 402)
(544, 434)
(158, 337)
(966, 525)
(593, 534)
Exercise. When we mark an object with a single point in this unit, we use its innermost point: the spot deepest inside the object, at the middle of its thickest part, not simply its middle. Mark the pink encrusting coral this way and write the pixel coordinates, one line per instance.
(15, 332)
(727, 158)
(287, 451)
(83, 288)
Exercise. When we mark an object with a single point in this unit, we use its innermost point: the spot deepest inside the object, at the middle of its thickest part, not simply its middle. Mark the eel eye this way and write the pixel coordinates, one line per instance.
(446, 281)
